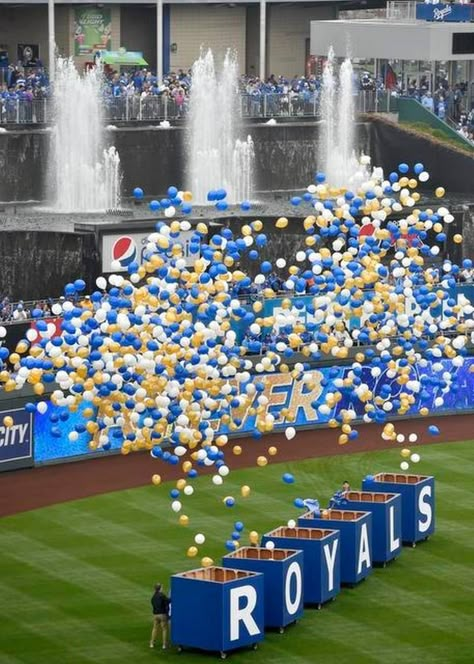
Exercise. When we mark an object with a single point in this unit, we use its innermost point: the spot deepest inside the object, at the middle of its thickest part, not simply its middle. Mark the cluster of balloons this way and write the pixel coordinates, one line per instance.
(156, 353)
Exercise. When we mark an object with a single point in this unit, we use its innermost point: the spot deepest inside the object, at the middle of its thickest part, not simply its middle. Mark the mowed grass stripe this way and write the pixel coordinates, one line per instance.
(77, 576)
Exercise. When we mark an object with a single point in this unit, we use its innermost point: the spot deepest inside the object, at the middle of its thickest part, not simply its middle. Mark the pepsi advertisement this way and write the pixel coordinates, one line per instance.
(120, 250)
(16, 439)
(304, 399)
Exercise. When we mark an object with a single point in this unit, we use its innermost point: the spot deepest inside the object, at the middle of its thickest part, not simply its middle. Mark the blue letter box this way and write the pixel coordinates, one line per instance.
(386, 510)
(356, 539)
(321, 551)
(217, 609)
(282, 571)
(418, 501)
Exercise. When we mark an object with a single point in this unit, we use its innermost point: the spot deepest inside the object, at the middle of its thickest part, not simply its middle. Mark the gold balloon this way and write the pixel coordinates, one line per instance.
(405, 453)
(237, 450)
(192, 552)
(262, 461)
(183, 520)
(245, 491)
(439, 192)
(156, 479)
(206, 561)
(8, 421)
(253, 537)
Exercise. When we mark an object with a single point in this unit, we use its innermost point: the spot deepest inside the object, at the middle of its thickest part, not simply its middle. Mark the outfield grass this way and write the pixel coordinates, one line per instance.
(76, 578)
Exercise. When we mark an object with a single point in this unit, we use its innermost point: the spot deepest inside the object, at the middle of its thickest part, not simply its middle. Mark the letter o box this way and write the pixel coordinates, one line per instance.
(321, 559)
(418, 502)
(356, 540)
(386, 510)
(217, 609)
(282, 571)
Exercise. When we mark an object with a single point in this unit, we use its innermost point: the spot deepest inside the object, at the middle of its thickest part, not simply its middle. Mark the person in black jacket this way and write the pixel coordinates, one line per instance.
(160, 604)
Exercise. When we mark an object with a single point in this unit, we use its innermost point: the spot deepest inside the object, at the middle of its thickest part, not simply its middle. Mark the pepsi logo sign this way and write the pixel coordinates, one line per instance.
(124, 251)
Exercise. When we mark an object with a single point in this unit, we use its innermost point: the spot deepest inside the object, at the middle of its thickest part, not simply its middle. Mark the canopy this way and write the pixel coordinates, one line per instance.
(125, 59)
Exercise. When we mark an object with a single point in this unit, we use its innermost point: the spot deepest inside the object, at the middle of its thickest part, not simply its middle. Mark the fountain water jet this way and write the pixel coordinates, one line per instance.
(218, 159)
(338, 158)
(84, 175)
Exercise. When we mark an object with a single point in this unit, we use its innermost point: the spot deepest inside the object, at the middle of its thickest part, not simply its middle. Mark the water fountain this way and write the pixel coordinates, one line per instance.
(217, 158)
(337, 154)
(84, 175)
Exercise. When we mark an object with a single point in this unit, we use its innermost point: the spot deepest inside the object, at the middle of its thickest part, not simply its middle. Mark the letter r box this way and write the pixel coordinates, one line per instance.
(386, 510)
(282, 571)
(217, 609)
(418, 501)
(356, 540)
(321, 559)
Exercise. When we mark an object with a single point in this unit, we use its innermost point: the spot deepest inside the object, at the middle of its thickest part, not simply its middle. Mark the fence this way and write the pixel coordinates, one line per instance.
(163, 108)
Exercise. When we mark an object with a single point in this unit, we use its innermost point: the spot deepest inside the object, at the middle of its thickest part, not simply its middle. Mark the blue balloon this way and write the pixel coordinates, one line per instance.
(403, 168)
(245, 206)
(172, 192)
(418, 168)
(239, 526)
(266, 267)
(296, 200)
(229, 502)
(222, 205)
(320, 177)
(154, 205)
(433, 430)
(138, 193)
(299, 503)
(230, 545)
(288, 478)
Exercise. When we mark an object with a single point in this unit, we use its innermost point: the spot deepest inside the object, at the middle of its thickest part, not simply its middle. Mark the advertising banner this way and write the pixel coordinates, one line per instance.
(16, 441)
(444, 13)
(92, 30)
(301, 399)
(126, 248)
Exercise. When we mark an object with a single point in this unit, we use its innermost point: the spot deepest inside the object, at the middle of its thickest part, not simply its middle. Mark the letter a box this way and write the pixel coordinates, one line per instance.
(282, 571)
(356, 540)
(217, 609)
(386, 510)
(321, 559)
(418, 502)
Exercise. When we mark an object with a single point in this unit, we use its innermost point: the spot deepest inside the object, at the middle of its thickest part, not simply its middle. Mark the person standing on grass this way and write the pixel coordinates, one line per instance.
(160, 604)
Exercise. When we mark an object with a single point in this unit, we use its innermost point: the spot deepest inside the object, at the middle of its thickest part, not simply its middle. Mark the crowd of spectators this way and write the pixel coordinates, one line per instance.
(20, 311)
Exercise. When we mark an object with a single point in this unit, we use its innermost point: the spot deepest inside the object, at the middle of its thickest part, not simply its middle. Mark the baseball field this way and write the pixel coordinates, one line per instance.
(77, 576)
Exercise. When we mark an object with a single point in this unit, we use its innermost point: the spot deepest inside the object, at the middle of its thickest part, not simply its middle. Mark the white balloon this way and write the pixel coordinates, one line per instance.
(217, 480)
(290, 433)
(176, 506)
(412, 438)
(42, 407)
(188, 490)
(101, 283)
(404, 465)
(291, 523)
(199, 538)
(270, 545)
(415, 457)
(224, 471)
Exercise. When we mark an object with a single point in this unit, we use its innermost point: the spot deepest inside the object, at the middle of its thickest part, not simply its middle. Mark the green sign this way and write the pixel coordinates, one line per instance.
(92, 30)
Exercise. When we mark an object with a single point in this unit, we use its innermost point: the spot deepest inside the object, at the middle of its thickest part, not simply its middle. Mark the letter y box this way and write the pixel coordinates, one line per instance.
(321, 550)
(282, 571)
(217, 609)
(356, 539)
(386, 510)
(418, 501)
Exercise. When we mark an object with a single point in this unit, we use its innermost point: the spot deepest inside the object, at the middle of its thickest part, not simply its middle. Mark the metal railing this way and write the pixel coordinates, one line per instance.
(163, 108)
(401, 11)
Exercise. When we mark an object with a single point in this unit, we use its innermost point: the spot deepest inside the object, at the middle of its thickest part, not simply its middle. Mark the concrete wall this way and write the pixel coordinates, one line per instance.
(252, 45)
(193, 26)
(24, 25)
(138, 31)
(388, 40)
(288, 28)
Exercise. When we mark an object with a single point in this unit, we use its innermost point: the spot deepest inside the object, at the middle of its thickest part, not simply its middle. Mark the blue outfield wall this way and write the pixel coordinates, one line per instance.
(302, 400)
